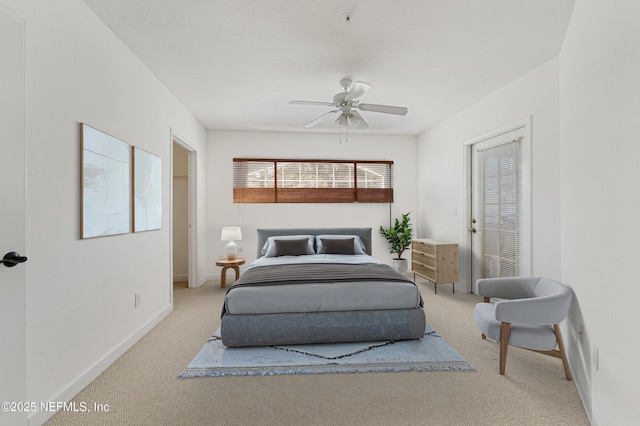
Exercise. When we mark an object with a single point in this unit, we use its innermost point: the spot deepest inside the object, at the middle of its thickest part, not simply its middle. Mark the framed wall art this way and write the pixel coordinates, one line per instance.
(147, 191)
(105, 184)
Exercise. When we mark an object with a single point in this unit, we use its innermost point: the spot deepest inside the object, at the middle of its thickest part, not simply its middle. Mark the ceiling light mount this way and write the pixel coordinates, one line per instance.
(345, 83)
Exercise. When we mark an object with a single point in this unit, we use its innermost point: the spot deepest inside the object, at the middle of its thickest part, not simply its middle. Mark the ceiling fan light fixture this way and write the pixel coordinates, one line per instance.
(347, 102)
(357, 121)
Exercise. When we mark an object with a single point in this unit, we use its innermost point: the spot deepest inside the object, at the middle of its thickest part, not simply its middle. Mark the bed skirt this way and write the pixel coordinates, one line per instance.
(322, 327)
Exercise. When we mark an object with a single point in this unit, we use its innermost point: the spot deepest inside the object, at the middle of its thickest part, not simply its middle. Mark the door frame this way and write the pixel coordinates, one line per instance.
(526, 244)
(191, 211)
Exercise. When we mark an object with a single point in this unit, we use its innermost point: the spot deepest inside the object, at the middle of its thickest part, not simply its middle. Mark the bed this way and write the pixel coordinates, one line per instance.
(319, 285)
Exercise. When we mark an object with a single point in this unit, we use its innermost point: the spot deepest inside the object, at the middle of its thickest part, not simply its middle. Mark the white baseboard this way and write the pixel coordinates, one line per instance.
(208, 278)
(582, 385)
(90, 374)
(201, 281)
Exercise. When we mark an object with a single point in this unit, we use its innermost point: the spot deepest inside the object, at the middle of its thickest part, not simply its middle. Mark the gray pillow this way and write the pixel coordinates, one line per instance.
(291, 247)
(357, 242)
(338, 246)
(269, 248)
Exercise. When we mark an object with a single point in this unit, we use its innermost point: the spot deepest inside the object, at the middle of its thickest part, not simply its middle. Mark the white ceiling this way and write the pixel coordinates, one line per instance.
(235, 64)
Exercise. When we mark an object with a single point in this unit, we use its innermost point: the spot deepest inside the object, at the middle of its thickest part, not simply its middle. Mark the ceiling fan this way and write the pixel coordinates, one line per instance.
(347, 102)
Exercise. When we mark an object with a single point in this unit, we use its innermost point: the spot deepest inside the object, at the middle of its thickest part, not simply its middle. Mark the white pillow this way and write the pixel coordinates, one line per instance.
(269, 248)
(358, 245)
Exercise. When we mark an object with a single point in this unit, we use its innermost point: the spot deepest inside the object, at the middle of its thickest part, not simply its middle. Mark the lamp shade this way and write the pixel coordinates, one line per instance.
(231, 233)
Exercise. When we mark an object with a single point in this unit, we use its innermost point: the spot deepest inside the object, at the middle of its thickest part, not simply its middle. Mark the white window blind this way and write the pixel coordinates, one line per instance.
(315, 175)
(374, 175)
(500, 212)
(312, 181)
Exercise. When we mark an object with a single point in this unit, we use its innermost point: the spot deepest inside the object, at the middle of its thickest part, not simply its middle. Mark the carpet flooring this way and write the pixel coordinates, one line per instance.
(142, 387)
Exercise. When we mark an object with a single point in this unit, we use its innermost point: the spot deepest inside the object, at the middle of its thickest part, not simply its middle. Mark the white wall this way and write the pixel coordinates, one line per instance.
(600, 151)
(223, 146)
(441, 170)
(585, 172)
(80, 293)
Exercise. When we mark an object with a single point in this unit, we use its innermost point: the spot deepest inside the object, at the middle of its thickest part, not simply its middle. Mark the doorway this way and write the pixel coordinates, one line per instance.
(183, 219)
(499, 225)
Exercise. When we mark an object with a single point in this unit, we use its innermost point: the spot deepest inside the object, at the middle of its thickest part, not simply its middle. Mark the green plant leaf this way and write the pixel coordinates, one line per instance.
(399, 236)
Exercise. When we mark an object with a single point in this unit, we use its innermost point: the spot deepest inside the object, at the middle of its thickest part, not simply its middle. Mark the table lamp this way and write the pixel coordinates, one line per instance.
(231, 234)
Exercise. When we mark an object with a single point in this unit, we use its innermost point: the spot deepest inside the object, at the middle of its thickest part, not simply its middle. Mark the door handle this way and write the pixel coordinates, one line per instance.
(12, 258)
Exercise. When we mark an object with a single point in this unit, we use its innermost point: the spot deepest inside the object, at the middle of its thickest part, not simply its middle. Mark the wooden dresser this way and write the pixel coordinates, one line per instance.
(436, 261)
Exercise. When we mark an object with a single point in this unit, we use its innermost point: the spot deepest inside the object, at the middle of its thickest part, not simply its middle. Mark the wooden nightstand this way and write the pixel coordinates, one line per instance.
(436, 261)
(229, 264)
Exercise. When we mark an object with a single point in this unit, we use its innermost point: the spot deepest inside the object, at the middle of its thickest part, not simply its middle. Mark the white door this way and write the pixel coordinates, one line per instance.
(12, 224)
(499, 219)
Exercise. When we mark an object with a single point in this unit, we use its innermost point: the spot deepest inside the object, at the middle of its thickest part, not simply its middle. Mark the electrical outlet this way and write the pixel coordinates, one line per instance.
(137, 300)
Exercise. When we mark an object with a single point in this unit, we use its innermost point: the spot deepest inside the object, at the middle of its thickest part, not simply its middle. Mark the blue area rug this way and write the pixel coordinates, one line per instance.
(431, 353)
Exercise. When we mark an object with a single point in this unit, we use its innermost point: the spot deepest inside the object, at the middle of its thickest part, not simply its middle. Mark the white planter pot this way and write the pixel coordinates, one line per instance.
(400, 265)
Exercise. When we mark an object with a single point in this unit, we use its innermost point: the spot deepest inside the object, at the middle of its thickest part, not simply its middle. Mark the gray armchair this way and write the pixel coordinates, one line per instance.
(528, 317)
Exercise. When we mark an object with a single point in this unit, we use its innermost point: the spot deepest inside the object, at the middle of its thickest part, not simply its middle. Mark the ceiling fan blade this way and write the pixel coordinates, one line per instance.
(311, 103)
(358, 89)
(357, 120)
(386, 109)
(319, 119)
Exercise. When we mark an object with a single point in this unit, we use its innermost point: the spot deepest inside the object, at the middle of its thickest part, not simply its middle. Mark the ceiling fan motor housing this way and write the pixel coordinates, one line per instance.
(344, 105)
(339, 98)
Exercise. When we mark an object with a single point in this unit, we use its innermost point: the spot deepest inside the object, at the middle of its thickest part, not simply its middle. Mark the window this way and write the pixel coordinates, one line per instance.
(312, 181)
(499, 215)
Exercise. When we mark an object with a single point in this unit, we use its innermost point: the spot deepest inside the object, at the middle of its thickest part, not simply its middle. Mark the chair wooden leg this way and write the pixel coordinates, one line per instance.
(563, 355)
(486, 300)
(505, 329)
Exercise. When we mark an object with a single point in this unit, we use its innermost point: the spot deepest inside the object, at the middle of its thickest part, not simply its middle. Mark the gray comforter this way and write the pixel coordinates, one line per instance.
(326, 274)
(318, 272)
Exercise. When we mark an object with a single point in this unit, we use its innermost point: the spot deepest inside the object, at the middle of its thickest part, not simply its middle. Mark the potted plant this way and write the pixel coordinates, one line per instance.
(399, 239)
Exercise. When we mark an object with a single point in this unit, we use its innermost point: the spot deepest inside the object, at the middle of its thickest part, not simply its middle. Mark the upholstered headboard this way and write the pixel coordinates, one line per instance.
(363, 233)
